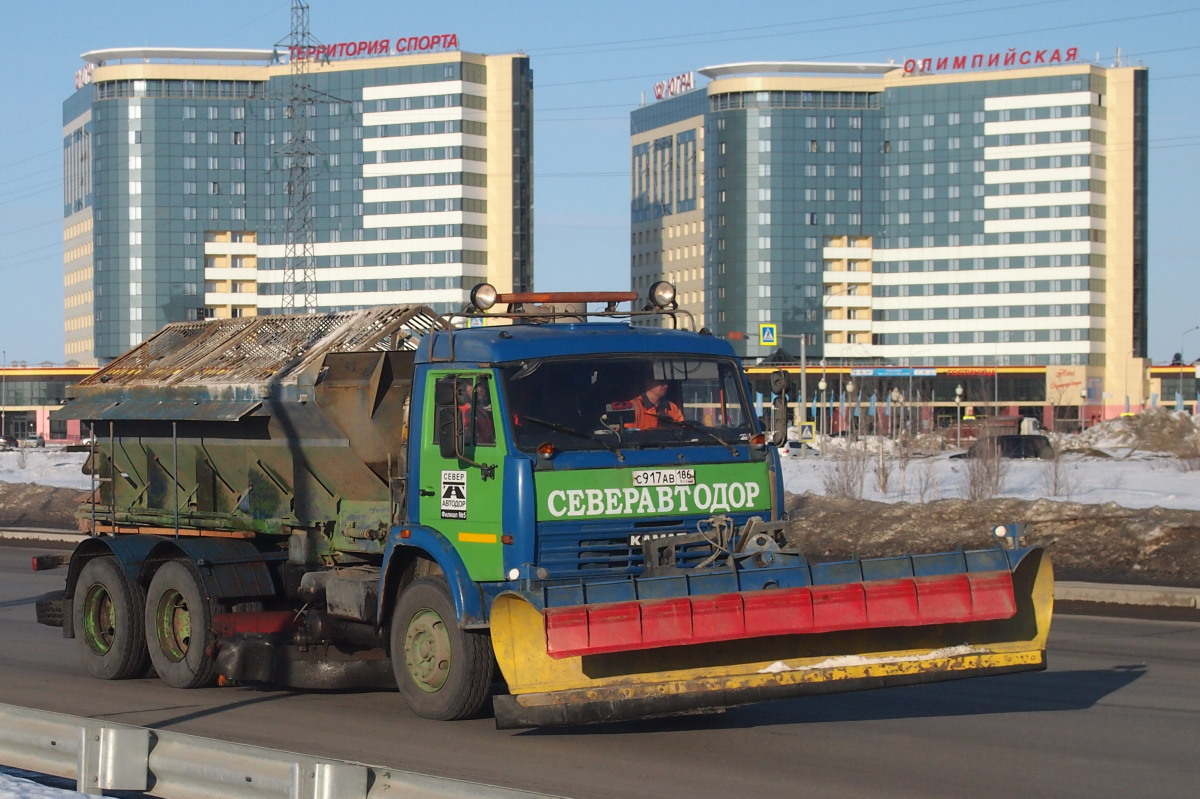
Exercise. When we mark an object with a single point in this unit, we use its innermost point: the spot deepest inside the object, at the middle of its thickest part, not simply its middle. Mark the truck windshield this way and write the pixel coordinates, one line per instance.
(626, 402)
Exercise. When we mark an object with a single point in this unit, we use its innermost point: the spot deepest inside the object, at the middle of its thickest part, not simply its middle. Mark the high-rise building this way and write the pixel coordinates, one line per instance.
(180, 168)
(925, 214)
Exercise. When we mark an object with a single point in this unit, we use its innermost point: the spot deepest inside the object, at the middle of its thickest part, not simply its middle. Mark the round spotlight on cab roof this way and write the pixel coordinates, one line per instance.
(662, 294)
(1000, 531)
(483, 296)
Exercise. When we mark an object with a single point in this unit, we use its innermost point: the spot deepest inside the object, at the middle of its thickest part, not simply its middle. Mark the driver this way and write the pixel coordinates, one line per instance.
(652, 404)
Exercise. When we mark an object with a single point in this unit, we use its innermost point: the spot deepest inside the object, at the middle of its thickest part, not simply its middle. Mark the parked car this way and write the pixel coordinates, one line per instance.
(84, 444)
(8, 441)
(33, 440)
(1012, 446)
(793, 449)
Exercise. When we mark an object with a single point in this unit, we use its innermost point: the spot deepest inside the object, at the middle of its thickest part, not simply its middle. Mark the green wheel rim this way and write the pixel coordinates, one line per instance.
(427, 651)
(174, 625)
(99, 619)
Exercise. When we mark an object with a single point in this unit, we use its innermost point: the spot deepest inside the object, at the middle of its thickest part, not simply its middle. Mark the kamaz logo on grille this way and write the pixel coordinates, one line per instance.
(636, 540)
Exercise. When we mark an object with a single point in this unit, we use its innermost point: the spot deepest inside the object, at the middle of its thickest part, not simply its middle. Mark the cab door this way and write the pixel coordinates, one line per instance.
(462, 458)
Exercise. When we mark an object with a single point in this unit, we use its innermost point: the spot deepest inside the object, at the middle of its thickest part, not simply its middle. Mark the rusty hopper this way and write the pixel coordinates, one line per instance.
(256, 425)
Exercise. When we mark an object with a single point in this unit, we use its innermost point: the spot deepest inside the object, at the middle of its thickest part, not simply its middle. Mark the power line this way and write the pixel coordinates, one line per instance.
(585, 49)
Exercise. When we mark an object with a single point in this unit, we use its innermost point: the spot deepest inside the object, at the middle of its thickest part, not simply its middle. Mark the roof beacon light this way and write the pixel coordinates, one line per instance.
(483, 296)
(662, 294)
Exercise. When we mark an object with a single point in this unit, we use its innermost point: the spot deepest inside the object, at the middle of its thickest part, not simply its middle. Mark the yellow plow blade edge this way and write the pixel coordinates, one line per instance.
(545, 691)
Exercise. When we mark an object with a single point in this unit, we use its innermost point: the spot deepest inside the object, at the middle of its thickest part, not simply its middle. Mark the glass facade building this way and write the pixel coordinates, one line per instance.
(955, 220)
(181, 183)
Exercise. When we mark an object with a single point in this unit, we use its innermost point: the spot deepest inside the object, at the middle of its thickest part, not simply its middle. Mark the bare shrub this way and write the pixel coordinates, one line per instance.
(986, 471)
(925, 482)
(1058, 479)
(904, 456)
(845, 473)
(883, 473)
(22, 458)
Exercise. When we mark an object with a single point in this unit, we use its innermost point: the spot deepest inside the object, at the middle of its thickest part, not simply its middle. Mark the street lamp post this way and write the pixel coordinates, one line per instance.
(897, 398)
(853, 405)
(821, 386)
(1182, 359)
(1083, 398)
(958, 392)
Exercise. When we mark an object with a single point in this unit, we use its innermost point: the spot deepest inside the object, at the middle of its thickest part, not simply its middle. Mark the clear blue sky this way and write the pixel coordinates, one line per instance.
(592, 64)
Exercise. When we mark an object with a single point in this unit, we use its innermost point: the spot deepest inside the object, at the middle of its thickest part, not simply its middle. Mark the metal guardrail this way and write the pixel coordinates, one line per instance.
(102, 756)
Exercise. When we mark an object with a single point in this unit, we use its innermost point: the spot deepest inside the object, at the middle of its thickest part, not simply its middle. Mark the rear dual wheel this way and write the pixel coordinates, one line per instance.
(179, 627)
(108, 613)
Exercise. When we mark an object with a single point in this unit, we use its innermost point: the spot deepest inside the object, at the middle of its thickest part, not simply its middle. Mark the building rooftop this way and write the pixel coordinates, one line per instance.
(795, 68)
(177, 55)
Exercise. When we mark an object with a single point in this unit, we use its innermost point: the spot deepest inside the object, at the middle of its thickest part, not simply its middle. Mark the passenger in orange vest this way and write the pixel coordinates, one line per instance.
(652, 404)
(482, 426)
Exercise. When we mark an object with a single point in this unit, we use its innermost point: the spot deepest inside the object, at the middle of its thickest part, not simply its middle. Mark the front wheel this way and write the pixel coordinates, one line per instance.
(108, 612)
(443, 671)
(179, 627)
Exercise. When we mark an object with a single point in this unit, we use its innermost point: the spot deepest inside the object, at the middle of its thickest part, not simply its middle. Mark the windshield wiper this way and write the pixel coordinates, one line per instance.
(562, 428)
(704, 430)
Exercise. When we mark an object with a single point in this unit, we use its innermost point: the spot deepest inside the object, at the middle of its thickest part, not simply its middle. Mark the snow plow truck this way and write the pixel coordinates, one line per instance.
(549, 501)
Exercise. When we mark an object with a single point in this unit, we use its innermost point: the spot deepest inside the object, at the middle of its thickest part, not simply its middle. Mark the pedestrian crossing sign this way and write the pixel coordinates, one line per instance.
(767, 334)
(808, 431)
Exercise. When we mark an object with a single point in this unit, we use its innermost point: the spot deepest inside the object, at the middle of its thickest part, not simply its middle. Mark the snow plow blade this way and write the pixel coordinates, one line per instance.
(702, 652)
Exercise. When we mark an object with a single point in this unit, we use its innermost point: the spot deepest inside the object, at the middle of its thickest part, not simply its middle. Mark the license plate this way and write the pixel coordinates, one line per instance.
(664, 477)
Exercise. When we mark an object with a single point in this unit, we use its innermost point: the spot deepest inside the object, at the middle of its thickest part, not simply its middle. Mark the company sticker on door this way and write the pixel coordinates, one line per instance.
(644, 492)
(454, 494)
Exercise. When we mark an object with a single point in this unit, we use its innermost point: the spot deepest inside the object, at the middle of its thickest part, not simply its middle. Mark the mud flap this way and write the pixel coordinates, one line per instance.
(609, 686)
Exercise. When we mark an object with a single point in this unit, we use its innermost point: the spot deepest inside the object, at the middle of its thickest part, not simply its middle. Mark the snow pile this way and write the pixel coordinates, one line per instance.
(48, 466)
(1143, 461)
(1157, 430)
(13, 787)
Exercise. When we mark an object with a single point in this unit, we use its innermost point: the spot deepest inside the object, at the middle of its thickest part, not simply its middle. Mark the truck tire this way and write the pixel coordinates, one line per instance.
(443, 671)
(108, 612)
(179, 627)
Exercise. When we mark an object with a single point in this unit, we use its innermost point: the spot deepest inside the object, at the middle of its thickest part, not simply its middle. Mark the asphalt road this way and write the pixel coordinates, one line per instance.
(1116, 715)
